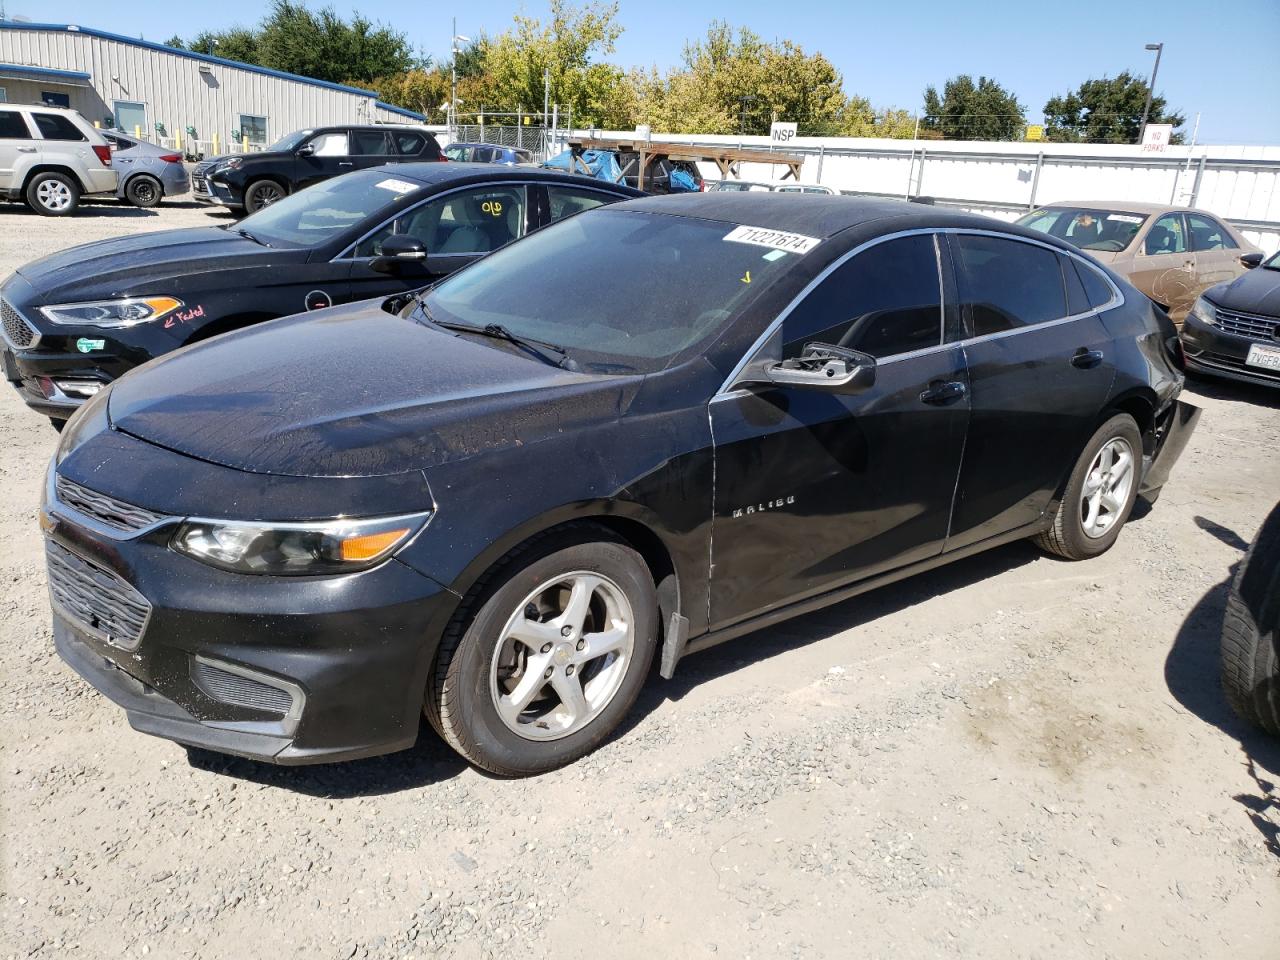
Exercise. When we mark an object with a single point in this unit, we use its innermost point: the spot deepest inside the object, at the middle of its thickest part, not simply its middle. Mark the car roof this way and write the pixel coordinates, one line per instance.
(1119, 206)
(430, 173)
(813, 214)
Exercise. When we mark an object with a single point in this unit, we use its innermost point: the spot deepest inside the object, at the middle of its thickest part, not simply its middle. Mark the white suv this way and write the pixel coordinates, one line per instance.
(50, 157)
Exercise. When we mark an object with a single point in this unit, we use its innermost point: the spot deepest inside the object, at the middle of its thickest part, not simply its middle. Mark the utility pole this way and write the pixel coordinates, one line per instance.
(546, 93)
(453, 75)
(1146, 110)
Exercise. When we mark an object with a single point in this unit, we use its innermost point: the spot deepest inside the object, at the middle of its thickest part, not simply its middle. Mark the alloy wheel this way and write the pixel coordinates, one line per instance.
(562, 656)
(1106, 488)
(53, 195)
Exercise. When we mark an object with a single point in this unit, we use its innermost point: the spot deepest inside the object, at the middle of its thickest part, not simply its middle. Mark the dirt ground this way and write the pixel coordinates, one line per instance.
(1012, 756)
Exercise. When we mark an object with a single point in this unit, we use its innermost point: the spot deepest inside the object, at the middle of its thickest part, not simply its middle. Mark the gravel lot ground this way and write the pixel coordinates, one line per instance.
(1009, 757)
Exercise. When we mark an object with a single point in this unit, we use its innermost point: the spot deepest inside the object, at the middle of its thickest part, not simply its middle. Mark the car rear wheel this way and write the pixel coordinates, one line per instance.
(1099, 494)
(1250, 656)
(144, 191)
(53, 194)
(552, 659)
(261, 193)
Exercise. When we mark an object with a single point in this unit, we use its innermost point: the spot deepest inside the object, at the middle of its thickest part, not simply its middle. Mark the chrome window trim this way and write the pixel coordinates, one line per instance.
(1117, 299)
(423, 202)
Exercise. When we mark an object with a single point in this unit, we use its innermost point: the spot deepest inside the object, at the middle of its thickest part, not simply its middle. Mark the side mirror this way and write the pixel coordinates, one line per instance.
(822, 366)
(1250, 260)
(306, 150)
(398, 251)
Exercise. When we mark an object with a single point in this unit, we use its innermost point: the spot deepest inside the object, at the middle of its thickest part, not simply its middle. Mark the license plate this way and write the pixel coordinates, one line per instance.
(1262, 355)
(11, 368)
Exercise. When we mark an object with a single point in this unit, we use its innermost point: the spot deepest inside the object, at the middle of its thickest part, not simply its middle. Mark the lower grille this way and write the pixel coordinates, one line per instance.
(1235, 363)
(238, 690)
(1245, 325)
(17, 331)
(101, 603)
(108, 511)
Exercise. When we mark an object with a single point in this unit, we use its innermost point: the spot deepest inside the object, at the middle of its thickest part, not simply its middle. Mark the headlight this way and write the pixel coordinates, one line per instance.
(296, 549)
(111, 314)
(231, 163)
(1204, 311)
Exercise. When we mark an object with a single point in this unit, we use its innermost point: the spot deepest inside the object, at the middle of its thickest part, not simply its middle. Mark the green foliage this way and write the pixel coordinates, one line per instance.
(1106, 111)
(973, 111)
(175, 42)
(424, 91)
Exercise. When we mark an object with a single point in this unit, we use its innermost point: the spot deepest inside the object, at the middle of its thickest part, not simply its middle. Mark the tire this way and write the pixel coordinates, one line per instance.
(144, 191)
(261, 193)
(53, 194)
(482, 668)
(1072, 535)
(1251, 630)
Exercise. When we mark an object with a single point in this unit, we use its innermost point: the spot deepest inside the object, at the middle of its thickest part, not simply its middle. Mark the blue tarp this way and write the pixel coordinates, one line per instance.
(602, 164)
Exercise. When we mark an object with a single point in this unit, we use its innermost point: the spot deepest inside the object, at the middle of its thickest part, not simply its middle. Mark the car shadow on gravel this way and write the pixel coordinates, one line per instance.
(95, 211)
(1192, 675)
(1236, 390)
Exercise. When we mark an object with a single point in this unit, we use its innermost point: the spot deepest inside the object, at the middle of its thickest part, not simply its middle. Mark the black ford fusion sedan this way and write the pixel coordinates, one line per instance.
(75, 321)
(634, 434)
(1233, 329)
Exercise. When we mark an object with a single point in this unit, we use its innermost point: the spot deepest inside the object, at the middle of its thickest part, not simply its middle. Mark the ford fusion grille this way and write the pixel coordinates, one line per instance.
(97, 600)
(108, 511)
(240, 691)
(17, 331)
(1246, 325)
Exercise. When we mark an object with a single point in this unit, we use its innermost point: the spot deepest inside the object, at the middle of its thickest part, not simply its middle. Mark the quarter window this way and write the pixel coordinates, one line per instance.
(1095, 287)
(468, 222)
(1209, 234)
(370, 143)
(12, 126)
(1166, 236)
(883, 301)
(55, 126)
(410, 143)
(566, 201)
(1007, 284)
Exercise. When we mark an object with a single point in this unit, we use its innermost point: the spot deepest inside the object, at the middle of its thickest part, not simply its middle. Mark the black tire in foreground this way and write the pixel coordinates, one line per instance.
(1099, 494)
(144, 191)
(53, 194)
(547, 654)
(261, 193)
(1251, 632)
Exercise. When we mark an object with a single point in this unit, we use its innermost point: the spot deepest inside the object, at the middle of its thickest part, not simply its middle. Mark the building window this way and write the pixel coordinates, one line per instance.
(253, 128)
(51, 99)
(131, 116)
(4, 96)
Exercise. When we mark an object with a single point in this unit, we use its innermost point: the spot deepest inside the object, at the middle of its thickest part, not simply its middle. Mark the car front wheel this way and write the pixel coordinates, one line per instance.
(552, 659)
(1099, 494)
(261, 193)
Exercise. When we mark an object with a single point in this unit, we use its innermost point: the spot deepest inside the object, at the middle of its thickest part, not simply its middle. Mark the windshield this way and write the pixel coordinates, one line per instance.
(321, 212)
(1099, 230)
(289, 141)
(619, 290)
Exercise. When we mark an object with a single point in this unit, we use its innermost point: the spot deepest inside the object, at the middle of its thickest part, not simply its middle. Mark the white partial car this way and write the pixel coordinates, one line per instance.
(50, 157)
(745, 186)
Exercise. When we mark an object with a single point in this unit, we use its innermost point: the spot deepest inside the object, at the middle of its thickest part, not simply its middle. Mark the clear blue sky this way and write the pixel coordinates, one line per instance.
(1220, 59)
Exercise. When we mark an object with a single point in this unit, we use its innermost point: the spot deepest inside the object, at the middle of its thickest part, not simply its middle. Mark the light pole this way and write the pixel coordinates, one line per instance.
(742, 113)
(1146, 110)
(453, 74)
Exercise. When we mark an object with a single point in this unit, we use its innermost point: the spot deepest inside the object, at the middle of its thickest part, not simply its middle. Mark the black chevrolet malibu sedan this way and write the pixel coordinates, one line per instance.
(75, 321)
(634, 434)
(1233, 329)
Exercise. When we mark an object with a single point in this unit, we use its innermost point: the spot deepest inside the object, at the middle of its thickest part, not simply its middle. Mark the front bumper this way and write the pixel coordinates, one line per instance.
(1212, 351)
(289, 670)
(208, 190)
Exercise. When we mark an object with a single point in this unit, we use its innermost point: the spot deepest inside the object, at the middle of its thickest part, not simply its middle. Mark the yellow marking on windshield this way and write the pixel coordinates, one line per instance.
(747, 278)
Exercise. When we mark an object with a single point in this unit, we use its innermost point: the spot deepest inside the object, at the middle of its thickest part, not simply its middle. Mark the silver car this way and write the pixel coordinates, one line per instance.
(148, 173)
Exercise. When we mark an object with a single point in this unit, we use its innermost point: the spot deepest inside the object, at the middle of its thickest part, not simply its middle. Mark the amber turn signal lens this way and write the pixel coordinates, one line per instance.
(371, 544)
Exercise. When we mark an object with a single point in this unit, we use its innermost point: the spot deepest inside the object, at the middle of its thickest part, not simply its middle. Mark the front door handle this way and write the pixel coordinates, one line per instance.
(942, 392)
(1086, 359)
(345, 163)
(26, 149)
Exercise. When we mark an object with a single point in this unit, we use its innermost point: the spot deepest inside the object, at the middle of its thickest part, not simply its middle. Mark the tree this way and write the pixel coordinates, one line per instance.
(973, 111)
(424, 91)
(176, 42)
(239, 44)
(1106, 111)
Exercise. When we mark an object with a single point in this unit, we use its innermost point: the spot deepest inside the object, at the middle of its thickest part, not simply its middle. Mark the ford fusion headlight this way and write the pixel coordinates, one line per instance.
(1204, 311)
(296, 549)
(111, 314)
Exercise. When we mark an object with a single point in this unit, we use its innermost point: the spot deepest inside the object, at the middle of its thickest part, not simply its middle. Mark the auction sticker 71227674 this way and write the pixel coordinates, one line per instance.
(774, 239)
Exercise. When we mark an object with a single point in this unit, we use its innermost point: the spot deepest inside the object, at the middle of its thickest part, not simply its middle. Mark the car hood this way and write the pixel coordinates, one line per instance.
(354, 392)
(140, 263)
(1254, 291)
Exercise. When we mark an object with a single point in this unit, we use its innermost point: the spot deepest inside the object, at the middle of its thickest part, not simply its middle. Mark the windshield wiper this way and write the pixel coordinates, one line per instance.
(249, 236)
(539, 348)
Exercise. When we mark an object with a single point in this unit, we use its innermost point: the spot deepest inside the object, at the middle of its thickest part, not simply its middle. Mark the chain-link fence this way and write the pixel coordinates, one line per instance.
(523, 136)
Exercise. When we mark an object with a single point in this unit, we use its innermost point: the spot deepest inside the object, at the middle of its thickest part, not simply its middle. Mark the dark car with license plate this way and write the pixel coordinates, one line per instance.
(634, 434)
(77, 320)
(251, 181)
(1233, 329)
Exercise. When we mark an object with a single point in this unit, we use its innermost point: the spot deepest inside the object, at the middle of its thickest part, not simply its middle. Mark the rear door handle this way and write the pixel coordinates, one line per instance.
(1086, 359)
(345, 163)
(26, 149)
(942, 392)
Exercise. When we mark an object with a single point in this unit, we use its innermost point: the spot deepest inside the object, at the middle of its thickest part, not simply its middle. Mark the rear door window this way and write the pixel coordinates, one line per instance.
(1208, 234)
(13, 126)
(57, 126)
(370, 143)
(884, 301)
(1005, 284)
